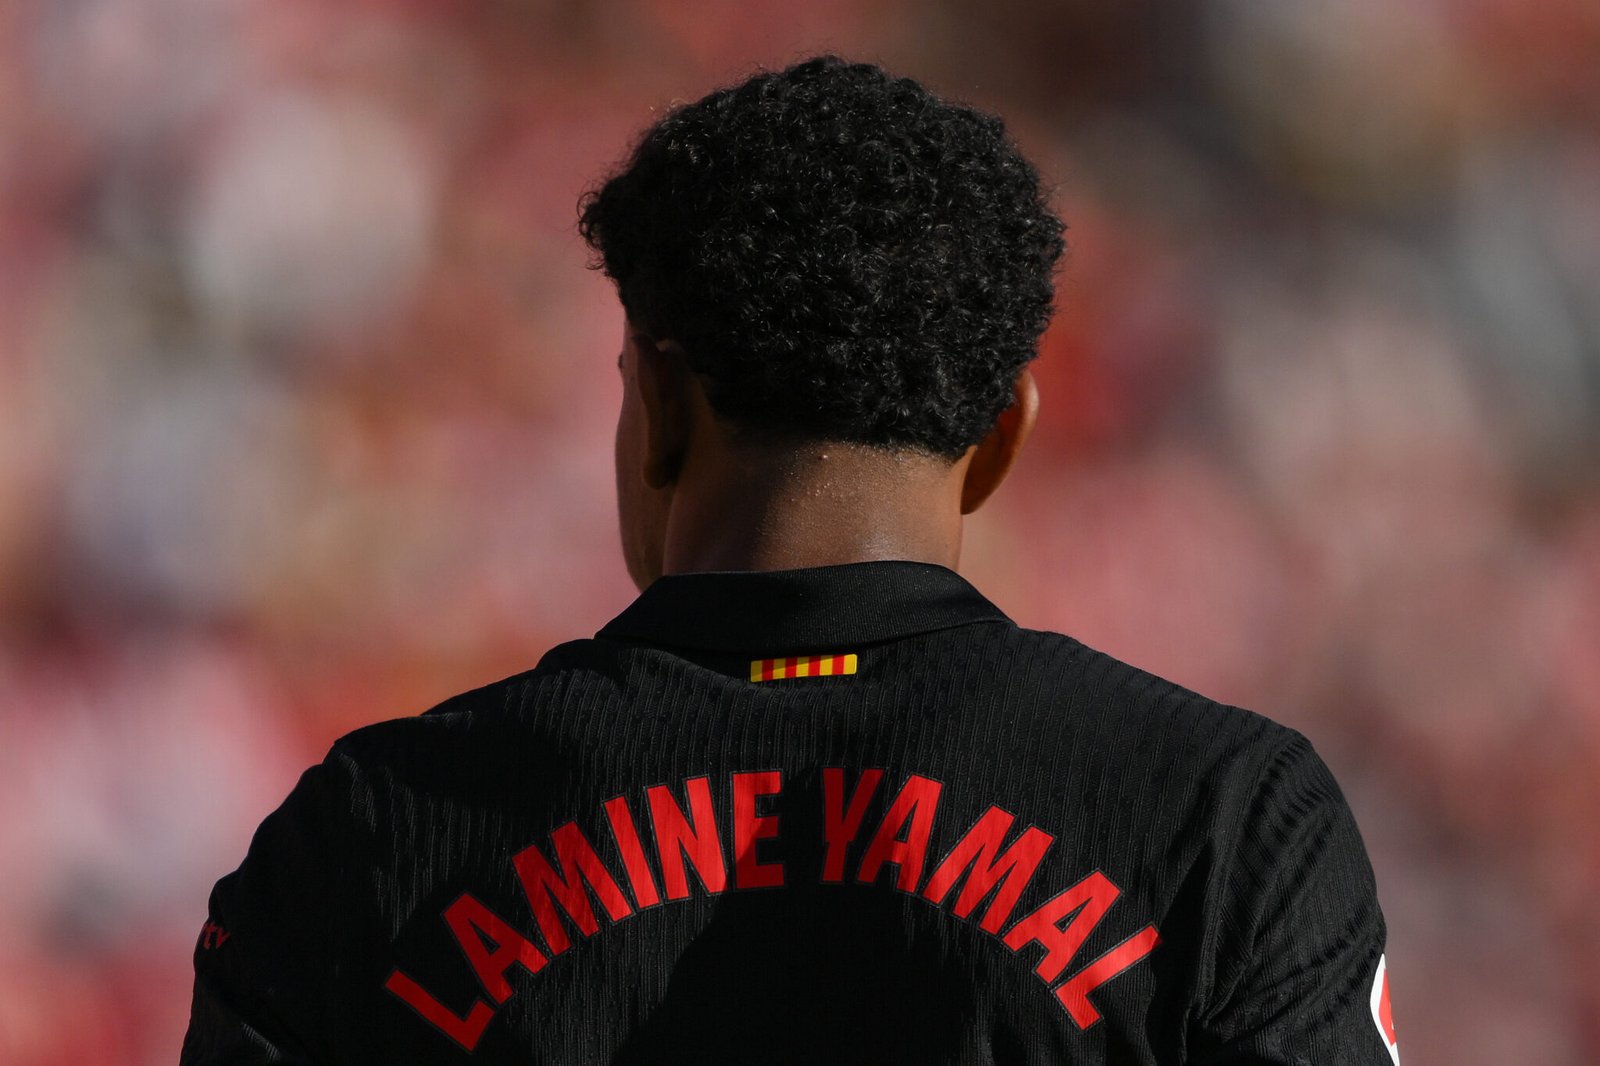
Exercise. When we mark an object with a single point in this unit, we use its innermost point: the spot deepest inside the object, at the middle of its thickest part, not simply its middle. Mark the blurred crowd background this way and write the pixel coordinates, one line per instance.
(306, 401)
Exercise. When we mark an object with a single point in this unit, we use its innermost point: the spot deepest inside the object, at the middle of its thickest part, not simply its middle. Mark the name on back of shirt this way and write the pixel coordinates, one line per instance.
(563, 881)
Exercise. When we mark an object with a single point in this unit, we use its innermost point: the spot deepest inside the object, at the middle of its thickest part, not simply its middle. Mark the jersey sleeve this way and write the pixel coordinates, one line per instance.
(1299, 964)
(272, 944)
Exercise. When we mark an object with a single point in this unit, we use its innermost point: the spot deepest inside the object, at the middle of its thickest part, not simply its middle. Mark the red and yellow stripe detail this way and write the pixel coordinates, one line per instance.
(802, 666)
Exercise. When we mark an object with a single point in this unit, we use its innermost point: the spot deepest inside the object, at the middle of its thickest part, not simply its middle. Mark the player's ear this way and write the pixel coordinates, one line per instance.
(664, 378)
(994, 456)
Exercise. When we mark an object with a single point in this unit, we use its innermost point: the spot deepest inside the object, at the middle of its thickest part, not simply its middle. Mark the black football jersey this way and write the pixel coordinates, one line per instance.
(850, 814)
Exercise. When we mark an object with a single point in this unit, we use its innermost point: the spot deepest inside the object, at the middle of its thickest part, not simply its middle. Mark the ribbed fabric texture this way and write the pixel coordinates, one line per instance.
(986, 845)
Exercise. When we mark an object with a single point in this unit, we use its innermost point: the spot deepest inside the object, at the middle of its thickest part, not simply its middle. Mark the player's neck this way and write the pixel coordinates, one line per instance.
(817, 506)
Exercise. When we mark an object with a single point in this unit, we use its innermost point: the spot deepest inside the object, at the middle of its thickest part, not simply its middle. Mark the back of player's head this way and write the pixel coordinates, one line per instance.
(841, 254)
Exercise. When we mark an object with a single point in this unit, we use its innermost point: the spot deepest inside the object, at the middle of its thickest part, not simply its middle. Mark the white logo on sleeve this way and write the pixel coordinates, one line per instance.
(1382, 1013)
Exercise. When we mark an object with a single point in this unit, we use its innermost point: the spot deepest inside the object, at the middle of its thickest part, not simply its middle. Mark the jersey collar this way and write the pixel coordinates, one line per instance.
(800, 610)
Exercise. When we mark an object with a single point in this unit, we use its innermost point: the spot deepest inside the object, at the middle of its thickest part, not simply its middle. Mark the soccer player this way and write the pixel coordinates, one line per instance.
(811, 798)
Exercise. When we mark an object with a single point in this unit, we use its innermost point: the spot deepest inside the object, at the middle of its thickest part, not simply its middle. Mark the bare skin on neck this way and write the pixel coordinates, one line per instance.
(766, 509)
(694, 495)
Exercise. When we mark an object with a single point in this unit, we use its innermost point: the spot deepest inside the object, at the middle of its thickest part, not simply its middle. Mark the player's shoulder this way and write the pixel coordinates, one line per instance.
(1135, 708)
(472, 725)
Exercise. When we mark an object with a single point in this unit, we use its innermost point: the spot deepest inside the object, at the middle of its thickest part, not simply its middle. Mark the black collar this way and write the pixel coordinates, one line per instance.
(816, 609)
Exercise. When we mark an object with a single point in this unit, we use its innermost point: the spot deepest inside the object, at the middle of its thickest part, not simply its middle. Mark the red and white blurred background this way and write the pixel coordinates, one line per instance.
(306, 401)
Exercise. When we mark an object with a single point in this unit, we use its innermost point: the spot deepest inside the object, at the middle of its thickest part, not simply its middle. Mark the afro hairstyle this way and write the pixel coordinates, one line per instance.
(842, 255)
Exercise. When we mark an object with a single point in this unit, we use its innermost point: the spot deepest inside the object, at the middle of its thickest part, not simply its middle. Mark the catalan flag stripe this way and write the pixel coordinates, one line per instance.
(802, 666)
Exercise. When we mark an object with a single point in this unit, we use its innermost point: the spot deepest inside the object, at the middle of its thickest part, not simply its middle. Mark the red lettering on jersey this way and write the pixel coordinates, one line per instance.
(912, 812)
(464, 1031)
(840, 821)
(1085, 903)
(677, 836)
(976, 850)
(212, 936)
(472, 922)
(748, 829)
(626, 833)
(1074, 992)
(545, 888)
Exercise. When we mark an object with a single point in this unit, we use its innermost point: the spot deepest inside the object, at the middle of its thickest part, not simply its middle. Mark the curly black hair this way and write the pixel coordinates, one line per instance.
(842, 255)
